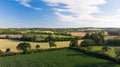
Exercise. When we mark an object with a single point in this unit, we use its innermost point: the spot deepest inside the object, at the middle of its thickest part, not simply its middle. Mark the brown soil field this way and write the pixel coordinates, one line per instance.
(78, 34)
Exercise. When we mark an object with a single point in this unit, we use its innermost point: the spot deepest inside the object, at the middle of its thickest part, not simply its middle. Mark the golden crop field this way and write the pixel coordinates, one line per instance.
(7, 43)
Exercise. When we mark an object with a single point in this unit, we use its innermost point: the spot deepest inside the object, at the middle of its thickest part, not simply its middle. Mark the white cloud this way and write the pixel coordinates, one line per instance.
(26, 4)
(82, 11)
(37, 8)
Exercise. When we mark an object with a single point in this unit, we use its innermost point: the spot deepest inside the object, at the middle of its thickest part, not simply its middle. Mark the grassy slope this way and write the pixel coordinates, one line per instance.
(110, 52)
(58, 58)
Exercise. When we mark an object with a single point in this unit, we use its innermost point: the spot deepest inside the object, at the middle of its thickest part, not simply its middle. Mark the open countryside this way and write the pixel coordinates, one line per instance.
(59, 33)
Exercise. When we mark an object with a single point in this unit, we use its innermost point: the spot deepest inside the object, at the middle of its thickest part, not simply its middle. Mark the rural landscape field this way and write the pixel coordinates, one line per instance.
(59, 33)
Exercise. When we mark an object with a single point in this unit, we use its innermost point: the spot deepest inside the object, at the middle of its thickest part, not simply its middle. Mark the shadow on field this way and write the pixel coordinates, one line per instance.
(74, 54)
(79, 54)
(100, 64)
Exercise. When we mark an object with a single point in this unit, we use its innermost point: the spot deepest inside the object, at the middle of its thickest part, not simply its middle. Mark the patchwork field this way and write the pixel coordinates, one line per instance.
(7, 43)
(58, 58)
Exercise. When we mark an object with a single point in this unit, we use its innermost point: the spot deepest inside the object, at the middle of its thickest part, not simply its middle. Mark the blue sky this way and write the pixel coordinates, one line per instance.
(59, 13)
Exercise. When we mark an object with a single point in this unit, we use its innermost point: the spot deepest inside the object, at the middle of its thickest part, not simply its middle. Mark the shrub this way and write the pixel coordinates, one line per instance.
(7, 50)
(117, 52)
(7, 37)
(106, 48)
(37, 46)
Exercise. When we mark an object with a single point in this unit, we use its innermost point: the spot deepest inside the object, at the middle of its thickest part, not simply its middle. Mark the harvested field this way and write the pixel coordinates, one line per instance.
(78, 34)
(7, 43)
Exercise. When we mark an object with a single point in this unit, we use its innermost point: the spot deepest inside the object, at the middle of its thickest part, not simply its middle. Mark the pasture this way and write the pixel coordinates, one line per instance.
(58, 58)
(99, 48)
(7, 43)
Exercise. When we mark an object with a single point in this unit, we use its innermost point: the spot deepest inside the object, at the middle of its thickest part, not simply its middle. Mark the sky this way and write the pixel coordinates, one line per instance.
(59, 13)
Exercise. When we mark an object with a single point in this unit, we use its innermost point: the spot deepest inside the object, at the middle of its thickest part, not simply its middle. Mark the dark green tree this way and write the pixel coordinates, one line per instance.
(25, 47)
(52, 43)
(97, 37)
(7, 50)
(50, 38)
(74, 42)
(106, 48)
(87, 36)
(37, 46)
(115, 42)
(87, 43)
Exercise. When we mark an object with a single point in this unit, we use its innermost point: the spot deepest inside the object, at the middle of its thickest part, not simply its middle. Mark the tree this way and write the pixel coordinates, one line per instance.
(87, 43)
(50, 38)
(25, 47)
(113, 42)
(52, 43)
(106, 48)
(7, 37)
(34, 38)
(37, 46)
(7, 50)
(74, 42)
(87, 36)
(97, 37)
(117, 52)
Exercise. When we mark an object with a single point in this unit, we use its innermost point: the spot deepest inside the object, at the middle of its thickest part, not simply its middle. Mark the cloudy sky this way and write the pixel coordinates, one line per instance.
(59, 13)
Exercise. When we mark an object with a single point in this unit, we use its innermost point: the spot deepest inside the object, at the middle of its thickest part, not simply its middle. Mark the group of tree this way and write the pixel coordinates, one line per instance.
(97, 37)
(114, 42)
(114, 33)
(40, 38)
(87, 42)
(51, 41)
(25, 47)
(74, 42)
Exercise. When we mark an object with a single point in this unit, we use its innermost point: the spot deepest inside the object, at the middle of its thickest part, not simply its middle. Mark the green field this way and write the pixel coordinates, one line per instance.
(99, 48)
(58, 58)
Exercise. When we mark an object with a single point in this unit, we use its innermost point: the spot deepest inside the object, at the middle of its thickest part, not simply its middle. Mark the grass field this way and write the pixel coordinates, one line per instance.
(7, 43)
(109, 52)
(58, 58)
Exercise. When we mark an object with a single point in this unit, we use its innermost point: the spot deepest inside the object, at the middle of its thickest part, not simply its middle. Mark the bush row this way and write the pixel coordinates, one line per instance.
(2, 54)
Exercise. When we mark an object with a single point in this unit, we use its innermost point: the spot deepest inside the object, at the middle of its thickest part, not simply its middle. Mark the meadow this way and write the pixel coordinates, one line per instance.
(99, 48)
(58, 58)
(8, 43)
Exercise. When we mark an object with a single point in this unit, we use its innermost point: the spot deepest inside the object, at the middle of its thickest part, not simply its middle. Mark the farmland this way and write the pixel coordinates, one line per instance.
(7, 43)
(57, 55)
(58, 58)
(78, 34)
(99, 48)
